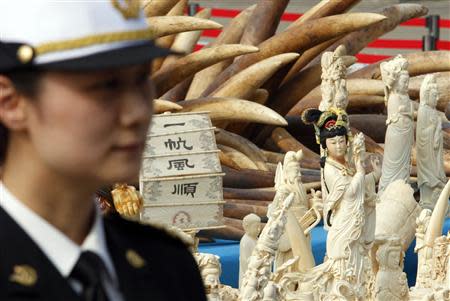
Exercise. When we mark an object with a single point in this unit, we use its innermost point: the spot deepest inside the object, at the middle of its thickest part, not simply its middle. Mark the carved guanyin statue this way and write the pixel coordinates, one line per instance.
(400, 124)
(429, 145)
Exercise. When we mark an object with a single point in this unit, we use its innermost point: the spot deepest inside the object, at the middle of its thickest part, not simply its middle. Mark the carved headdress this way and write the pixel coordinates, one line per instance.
(327, 124)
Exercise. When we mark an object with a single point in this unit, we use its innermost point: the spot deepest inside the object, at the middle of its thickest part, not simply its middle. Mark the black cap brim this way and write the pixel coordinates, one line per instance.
(125, 56)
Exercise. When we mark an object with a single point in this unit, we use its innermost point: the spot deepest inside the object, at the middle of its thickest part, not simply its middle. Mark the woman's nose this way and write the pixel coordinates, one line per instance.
(136, 109)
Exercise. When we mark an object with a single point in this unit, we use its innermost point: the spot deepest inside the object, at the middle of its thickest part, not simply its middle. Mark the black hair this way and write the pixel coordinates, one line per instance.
(326, 134)
(26, 81)
(312, 116)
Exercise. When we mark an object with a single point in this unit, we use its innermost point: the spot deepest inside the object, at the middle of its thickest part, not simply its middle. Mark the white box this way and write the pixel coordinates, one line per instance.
(192, 141)
(193, 216)
(182, 190)
(181, 164)
(179, 122)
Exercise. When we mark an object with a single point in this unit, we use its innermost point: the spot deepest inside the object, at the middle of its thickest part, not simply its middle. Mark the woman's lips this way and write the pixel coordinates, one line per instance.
(131, 147)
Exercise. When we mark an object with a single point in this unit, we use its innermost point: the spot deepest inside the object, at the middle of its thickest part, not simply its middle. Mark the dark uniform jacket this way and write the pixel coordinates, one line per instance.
(150, 265)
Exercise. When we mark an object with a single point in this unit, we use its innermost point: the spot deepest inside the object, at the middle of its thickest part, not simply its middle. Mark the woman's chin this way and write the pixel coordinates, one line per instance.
(338, 157)
(124, 175)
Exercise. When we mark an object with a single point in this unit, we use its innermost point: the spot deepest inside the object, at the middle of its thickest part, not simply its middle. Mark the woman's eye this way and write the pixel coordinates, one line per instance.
(142, 78)
(111, 84)
(108, 84)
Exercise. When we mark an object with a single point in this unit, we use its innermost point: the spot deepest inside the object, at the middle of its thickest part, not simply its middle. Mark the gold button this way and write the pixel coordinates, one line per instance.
(134, 259)
(25, 54)
(24, 275)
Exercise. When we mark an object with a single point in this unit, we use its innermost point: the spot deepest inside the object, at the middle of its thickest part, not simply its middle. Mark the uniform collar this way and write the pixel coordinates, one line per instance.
(60, 250)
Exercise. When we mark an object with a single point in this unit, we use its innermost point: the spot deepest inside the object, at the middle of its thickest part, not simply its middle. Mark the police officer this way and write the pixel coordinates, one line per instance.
(75, 105)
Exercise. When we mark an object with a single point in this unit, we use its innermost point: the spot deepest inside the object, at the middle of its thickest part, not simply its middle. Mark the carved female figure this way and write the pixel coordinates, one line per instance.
(346, 210)
(344, 207)
(399, 134)
(429, 145)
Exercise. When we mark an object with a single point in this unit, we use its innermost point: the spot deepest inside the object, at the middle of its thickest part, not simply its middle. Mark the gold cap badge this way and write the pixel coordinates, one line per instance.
(24, 275)
(134, 259)
(25, 54)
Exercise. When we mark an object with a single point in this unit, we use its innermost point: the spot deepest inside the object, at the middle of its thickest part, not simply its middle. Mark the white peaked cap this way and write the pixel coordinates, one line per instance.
(74, 34)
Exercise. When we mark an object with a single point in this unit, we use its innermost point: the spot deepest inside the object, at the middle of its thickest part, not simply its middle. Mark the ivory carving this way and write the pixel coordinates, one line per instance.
(433, 275)
(368, 232)
(429, 145)
(391, 283)
(252, 227)
(334, 85)
(334, 90)
(259, 275)
(399, 134)
(295, 241)
(424, 252)
(441, 257)
(210, 270)
(343, 275)
(397, 211)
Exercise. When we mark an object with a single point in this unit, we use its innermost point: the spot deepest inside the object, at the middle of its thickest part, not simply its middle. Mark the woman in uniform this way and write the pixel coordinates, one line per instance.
(75, 106)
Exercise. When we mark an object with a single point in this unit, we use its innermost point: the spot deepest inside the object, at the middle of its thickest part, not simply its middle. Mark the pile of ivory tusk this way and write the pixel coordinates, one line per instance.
(255, 81)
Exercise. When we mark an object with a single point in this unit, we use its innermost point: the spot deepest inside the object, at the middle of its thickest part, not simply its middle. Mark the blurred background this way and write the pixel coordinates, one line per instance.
(408, 37)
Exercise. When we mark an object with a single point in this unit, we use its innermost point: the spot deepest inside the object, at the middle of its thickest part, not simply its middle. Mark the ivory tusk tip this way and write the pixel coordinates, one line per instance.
(161, 105)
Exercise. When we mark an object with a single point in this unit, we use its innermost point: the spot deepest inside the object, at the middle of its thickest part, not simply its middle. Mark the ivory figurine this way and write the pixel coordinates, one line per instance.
(348, 238)
(436, 281)
(295, 239)
(332, 132)
(342, 275)
(441, 257)
(288, 179)
(429, 145)
(210, 270)
(437, 286)
(399, 134)
(391, 282)
(438, 295)
(333, 86)
(252, 227)
(397, 211)
(259, 273)
(424, 252)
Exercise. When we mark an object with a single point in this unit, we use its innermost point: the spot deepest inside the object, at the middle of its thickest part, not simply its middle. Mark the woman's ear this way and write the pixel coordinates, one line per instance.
(12, 105)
